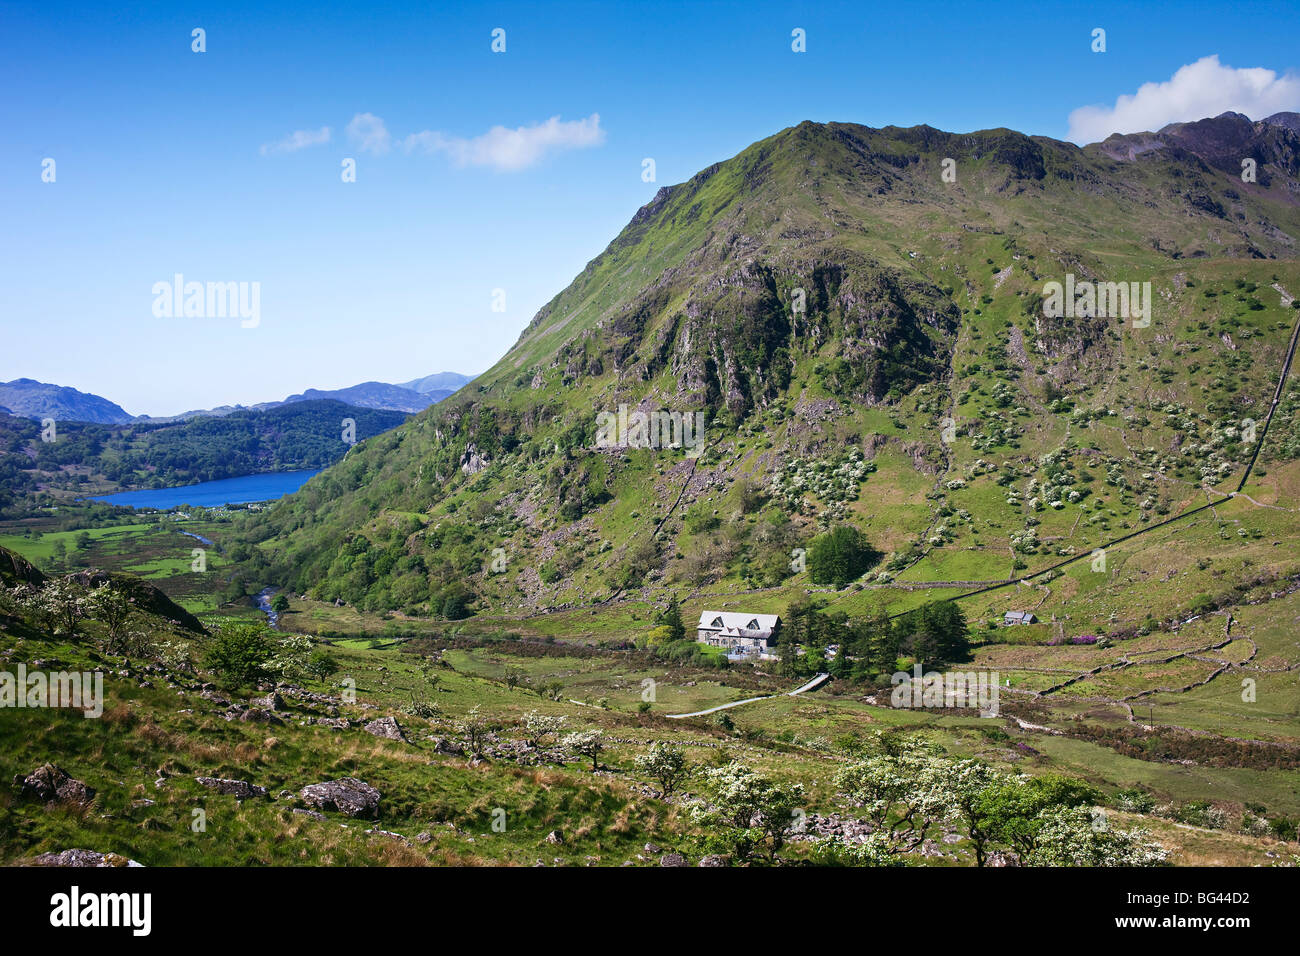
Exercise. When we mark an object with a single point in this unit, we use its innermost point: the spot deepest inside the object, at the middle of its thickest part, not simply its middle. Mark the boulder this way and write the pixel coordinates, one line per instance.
(386, 727)
(715, 859)
(347, 795)
(51, 784)
(272, 701)
(673, 859)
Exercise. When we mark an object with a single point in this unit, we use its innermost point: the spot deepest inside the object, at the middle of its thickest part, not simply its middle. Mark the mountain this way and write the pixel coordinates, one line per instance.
(439, 382)
(366, 395)
(380, 395)
(868, 342)
(31, 399)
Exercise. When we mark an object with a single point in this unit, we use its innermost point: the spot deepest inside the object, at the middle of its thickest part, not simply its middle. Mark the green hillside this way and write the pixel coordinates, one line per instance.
(920, 394)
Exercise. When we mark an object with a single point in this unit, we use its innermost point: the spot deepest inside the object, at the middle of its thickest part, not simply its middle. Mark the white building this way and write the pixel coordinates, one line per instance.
(740, 633)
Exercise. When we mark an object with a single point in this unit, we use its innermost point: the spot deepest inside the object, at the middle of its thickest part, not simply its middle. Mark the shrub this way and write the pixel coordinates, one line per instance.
(240, 653)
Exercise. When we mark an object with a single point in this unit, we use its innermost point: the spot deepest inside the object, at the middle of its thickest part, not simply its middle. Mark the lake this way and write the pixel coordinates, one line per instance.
(210, 494)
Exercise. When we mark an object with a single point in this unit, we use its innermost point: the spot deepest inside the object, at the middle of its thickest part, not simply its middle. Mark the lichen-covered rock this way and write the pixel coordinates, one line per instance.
(82, 858)
(386, 727)
(51, 784)
(347, 795)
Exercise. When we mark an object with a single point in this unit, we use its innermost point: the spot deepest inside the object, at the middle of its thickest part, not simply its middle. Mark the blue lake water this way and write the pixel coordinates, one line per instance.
(209, 494)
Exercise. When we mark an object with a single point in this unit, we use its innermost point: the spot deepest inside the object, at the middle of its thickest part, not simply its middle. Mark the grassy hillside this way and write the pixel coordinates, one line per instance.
(920, 394)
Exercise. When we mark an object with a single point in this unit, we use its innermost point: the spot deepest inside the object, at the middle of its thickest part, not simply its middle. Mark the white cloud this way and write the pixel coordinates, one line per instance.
(369, 134)
(1195, 91)
(510, 150)
(298, 139)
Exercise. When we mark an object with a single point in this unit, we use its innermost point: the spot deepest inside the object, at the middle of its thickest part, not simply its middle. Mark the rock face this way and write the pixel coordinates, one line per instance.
(240, 789)
(16, 570)
(83, 858)
(471, 462)
(347, 795)
(387, 727)
(51, 784)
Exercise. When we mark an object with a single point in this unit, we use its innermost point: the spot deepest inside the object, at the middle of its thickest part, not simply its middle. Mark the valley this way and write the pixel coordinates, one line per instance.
(485, 648)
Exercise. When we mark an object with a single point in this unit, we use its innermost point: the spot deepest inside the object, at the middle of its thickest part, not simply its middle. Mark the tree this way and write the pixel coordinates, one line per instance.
(113, 609)
(321, 664)
(1014, 810)
(935, 633)
(456, 603)
(665, 764)
(280, 604)
(747, 812)
(658, 636)
(290, 655)
(59, 605)
(1077, 836)
(240, 653)
(586, 743)
(903, 795)
(841, 555)
(474, 729)
(965, 782)
(671, 618)
(537, 727)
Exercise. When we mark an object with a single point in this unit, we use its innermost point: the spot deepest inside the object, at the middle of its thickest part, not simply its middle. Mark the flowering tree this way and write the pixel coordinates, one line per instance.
(586, 743)
(748, 812)
(903, 794)
(1079, 836)
(537, 727)
(111, 608)
(665, 764)
(58, 605)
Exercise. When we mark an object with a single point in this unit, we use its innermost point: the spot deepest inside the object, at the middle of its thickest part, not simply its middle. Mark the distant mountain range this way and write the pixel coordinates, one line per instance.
(27, 398)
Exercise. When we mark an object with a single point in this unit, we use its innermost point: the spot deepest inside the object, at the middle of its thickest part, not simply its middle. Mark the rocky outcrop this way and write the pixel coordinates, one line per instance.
(347, 795)
(386, 727)
(472, 462)
(16, 570)
(144, 596)
(51, 784)
(82, 858)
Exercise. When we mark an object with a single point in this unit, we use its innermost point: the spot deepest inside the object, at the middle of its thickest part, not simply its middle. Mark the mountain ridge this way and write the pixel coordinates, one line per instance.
(27, 398)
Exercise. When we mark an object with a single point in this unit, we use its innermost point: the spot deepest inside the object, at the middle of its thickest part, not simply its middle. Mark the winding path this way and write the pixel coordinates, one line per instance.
(814, 683)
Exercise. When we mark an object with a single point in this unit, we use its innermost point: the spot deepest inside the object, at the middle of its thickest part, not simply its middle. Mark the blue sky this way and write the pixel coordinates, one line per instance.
(160, 166)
